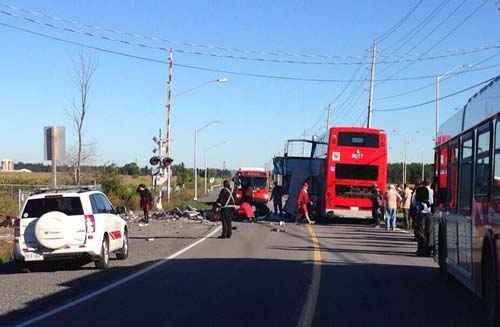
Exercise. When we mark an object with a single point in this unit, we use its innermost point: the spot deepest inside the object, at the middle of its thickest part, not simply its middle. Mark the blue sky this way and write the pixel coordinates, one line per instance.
(258, 115)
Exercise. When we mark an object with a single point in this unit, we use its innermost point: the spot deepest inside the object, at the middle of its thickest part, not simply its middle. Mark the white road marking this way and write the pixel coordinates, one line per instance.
(114, 284)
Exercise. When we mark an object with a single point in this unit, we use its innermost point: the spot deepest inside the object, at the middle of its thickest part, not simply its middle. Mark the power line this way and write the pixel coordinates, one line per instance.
(388, 33)
(420, 42)
(455, 28)
(173, 42)
(450, 53)
(433, 101)
(417, 28)
(200, 68)
(445, 78)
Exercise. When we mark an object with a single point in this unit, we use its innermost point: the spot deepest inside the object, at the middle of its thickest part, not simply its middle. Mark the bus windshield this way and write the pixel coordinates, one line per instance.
(255, 182)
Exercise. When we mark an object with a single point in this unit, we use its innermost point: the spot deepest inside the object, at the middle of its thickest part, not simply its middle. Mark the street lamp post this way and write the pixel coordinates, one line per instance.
(170, 97)
(438, 87)
(196, 131)
(206, 162)
(406, 141)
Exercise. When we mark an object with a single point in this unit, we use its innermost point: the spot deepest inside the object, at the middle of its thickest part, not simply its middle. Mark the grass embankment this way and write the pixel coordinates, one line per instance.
(121, 189)
(5, 251)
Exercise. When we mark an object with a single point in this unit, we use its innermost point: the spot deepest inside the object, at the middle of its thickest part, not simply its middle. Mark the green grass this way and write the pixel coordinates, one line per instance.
(5, 251)
(8, 205)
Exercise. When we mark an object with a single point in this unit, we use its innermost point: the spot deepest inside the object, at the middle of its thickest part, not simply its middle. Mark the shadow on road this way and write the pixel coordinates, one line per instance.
(259, 292)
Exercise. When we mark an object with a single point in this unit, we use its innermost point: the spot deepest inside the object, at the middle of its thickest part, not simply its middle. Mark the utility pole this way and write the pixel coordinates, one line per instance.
(54, 173)
(195, 168)
(437, 109)
(328, 112)
(404, 159)
(206, 173)
(168, 136)
(372, 84)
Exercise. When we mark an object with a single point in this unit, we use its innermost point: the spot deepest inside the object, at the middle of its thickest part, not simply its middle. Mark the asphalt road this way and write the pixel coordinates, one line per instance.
(334, 275)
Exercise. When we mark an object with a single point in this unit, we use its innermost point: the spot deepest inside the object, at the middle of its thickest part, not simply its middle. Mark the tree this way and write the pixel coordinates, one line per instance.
(85, 67)
(131, 169)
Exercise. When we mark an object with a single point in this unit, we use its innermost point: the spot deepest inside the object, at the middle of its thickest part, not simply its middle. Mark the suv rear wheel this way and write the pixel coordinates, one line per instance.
(103, 261)
(122, 254)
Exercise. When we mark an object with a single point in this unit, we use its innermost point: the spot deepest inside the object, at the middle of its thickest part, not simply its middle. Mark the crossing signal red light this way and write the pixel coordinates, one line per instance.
(167, 161)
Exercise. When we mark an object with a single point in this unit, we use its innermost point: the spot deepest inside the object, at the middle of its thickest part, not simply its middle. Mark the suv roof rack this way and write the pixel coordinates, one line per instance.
(70, 188)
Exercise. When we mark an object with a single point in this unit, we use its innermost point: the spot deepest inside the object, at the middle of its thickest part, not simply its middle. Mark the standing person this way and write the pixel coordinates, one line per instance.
(376, 199)
(422, 203)
(276, 197)
(391, 199)
(227, 206)
(146, 201)
(303, 203)
(407, 193)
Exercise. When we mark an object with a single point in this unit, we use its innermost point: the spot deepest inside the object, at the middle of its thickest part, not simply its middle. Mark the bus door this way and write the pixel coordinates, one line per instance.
(482, 188)
(459, 225)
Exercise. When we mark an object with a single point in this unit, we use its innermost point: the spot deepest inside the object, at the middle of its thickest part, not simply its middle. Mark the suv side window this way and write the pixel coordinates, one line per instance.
(105, 202)
(93, 203)
(98, 205)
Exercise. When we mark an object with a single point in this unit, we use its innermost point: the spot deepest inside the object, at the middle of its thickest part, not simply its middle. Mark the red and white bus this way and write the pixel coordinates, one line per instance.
(466, 226)
(355, 160)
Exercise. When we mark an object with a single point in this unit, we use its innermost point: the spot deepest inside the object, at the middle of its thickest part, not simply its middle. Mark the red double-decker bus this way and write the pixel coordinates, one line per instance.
(466, 226)
(355, 160)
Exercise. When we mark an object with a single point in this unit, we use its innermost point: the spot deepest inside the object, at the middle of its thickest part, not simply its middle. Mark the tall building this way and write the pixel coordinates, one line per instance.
(7, 165)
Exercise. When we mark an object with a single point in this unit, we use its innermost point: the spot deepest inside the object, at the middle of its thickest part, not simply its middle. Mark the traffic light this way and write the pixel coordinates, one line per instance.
(167, 161)
(154, 160)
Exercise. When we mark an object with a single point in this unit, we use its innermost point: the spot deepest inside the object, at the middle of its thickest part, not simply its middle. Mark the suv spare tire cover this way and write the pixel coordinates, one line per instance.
(52, 230)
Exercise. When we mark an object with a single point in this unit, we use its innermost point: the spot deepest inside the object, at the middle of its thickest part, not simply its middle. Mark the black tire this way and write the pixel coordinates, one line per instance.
(443, 268)
(103, 261)
(122, 254)
(489, 287)
(25, 267)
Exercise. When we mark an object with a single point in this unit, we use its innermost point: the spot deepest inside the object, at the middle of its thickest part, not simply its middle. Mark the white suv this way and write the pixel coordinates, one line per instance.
(69, 224)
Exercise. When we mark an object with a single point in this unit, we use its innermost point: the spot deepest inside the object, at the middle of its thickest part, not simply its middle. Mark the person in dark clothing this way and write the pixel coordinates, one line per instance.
(422, 204)
(276, 197)
(376, 199)
(227, 206)
(146, 201)
(247, 192)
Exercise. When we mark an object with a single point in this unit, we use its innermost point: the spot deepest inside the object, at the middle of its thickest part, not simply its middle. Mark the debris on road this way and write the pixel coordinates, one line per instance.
(176, 214)
(280, 227)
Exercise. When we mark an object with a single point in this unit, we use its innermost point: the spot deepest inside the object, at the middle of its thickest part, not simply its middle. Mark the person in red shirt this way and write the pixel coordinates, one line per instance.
(146, 201)
(302, 204)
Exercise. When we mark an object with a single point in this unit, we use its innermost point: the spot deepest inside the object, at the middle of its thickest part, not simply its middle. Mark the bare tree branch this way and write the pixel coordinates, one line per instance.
(85, 66)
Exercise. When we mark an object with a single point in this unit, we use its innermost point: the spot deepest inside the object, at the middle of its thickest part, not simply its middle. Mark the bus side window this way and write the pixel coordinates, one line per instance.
(482, 180)
(465, 180)
(496, 178)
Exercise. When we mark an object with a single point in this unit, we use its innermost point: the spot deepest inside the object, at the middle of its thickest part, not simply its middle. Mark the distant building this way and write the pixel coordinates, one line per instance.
(7, 165)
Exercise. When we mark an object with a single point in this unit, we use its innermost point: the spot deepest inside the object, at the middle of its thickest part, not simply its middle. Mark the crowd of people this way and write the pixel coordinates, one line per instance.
(415, 204)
